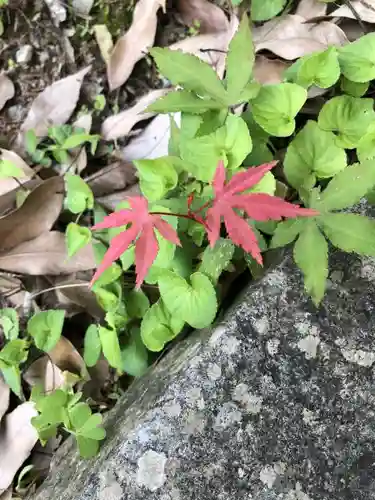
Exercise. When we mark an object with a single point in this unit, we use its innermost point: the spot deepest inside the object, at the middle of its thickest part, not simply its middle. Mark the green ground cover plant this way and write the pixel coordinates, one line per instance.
(212, 207)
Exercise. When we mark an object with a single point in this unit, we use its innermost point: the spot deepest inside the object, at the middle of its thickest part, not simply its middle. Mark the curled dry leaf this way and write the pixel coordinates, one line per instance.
(66, 357)
(36, 216)
(9, 183)
(104, 40)
(6, 90)
(152, 142)
(210, 17)
(17, 439)
(54, 105)
(310, 9)
(46, 255)
(365, 10)
(133, 46)
(291, 37)
(119, 125)
(268, 71)
(211, 47)
(115, 177)
(43, 372)
(4, 397)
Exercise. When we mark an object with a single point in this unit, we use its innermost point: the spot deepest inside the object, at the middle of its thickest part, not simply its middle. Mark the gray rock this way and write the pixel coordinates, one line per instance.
(24, 54)
(244, 412)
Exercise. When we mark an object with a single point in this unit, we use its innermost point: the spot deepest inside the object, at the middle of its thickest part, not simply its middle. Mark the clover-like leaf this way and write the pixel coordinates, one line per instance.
(348, 118)
(45, 328)
(357, 59)
(156, 177)
(312, 153)
(79, 196)
(275, 107)
(76, 237)
(195, 303)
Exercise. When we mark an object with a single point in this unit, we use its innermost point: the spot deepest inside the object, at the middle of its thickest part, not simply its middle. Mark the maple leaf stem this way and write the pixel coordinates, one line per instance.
(189, 216)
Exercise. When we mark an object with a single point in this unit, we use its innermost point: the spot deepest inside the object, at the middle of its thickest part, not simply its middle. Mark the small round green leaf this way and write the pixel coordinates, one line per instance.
(196, 303)
(313, 153)
(357, 59)
(111, 347)
(76, 237)
(46, 327)
(92, 346)
(79, 196)
(158, 327)
(348, 118)
(156, 177)
(262, 10)
(275, 107)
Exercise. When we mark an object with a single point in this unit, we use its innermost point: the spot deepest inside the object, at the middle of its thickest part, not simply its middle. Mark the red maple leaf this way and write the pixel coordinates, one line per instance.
(141, 231)
(257, 206)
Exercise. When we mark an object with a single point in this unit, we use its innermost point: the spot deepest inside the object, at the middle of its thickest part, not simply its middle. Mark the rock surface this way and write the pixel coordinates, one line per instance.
(275, 403)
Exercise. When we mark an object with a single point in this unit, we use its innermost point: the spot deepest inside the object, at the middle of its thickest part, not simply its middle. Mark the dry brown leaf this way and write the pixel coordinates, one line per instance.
(46, 255)
(365, 10)
(110, 201)
(7, 495)
(115, 177)
(43, 372)
(119, 125)
(4, 397)
(78, 298)
(267, 71)
(210, 17)
(133, 46)
(352, 29)
(11, 288)
(6, 90)
(17, 439)
(36, 216)
(66, 357)
(290, 37)
(104, 40)
(309, 9)
(9, 184)
(54, 105)
(211, 47)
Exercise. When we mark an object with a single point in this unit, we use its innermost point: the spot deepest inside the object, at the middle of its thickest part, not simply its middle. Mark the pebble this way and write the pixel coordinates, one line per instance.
(24, 54)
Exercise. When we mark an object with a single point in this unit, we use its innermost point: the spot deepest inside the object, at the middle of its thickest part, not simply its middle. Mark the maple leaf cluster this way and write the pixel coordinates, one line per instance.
(228, 197)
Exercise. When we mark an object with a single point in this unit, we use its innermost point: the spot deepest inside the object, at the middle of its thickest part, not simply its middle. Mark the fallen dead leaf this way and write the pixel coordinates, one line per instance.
(82, 7)
(6, 90)
(133, 46)
(9, 184)
(352, 29)
(66, 357)
(119, 125)
(17, 439)
(210, 17)
(36, 216)
(309, 9)
(152, 142)
(43, 372)
(8, 200)
(268, 71)
(4, 397)
(290, 37)
(110, 201)
(211, 47)
(54, 105)
(115, 177)
(11, 288)
(46, 255)
(79, 298)
(7, 495)
(104, 40)
(365, 10)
